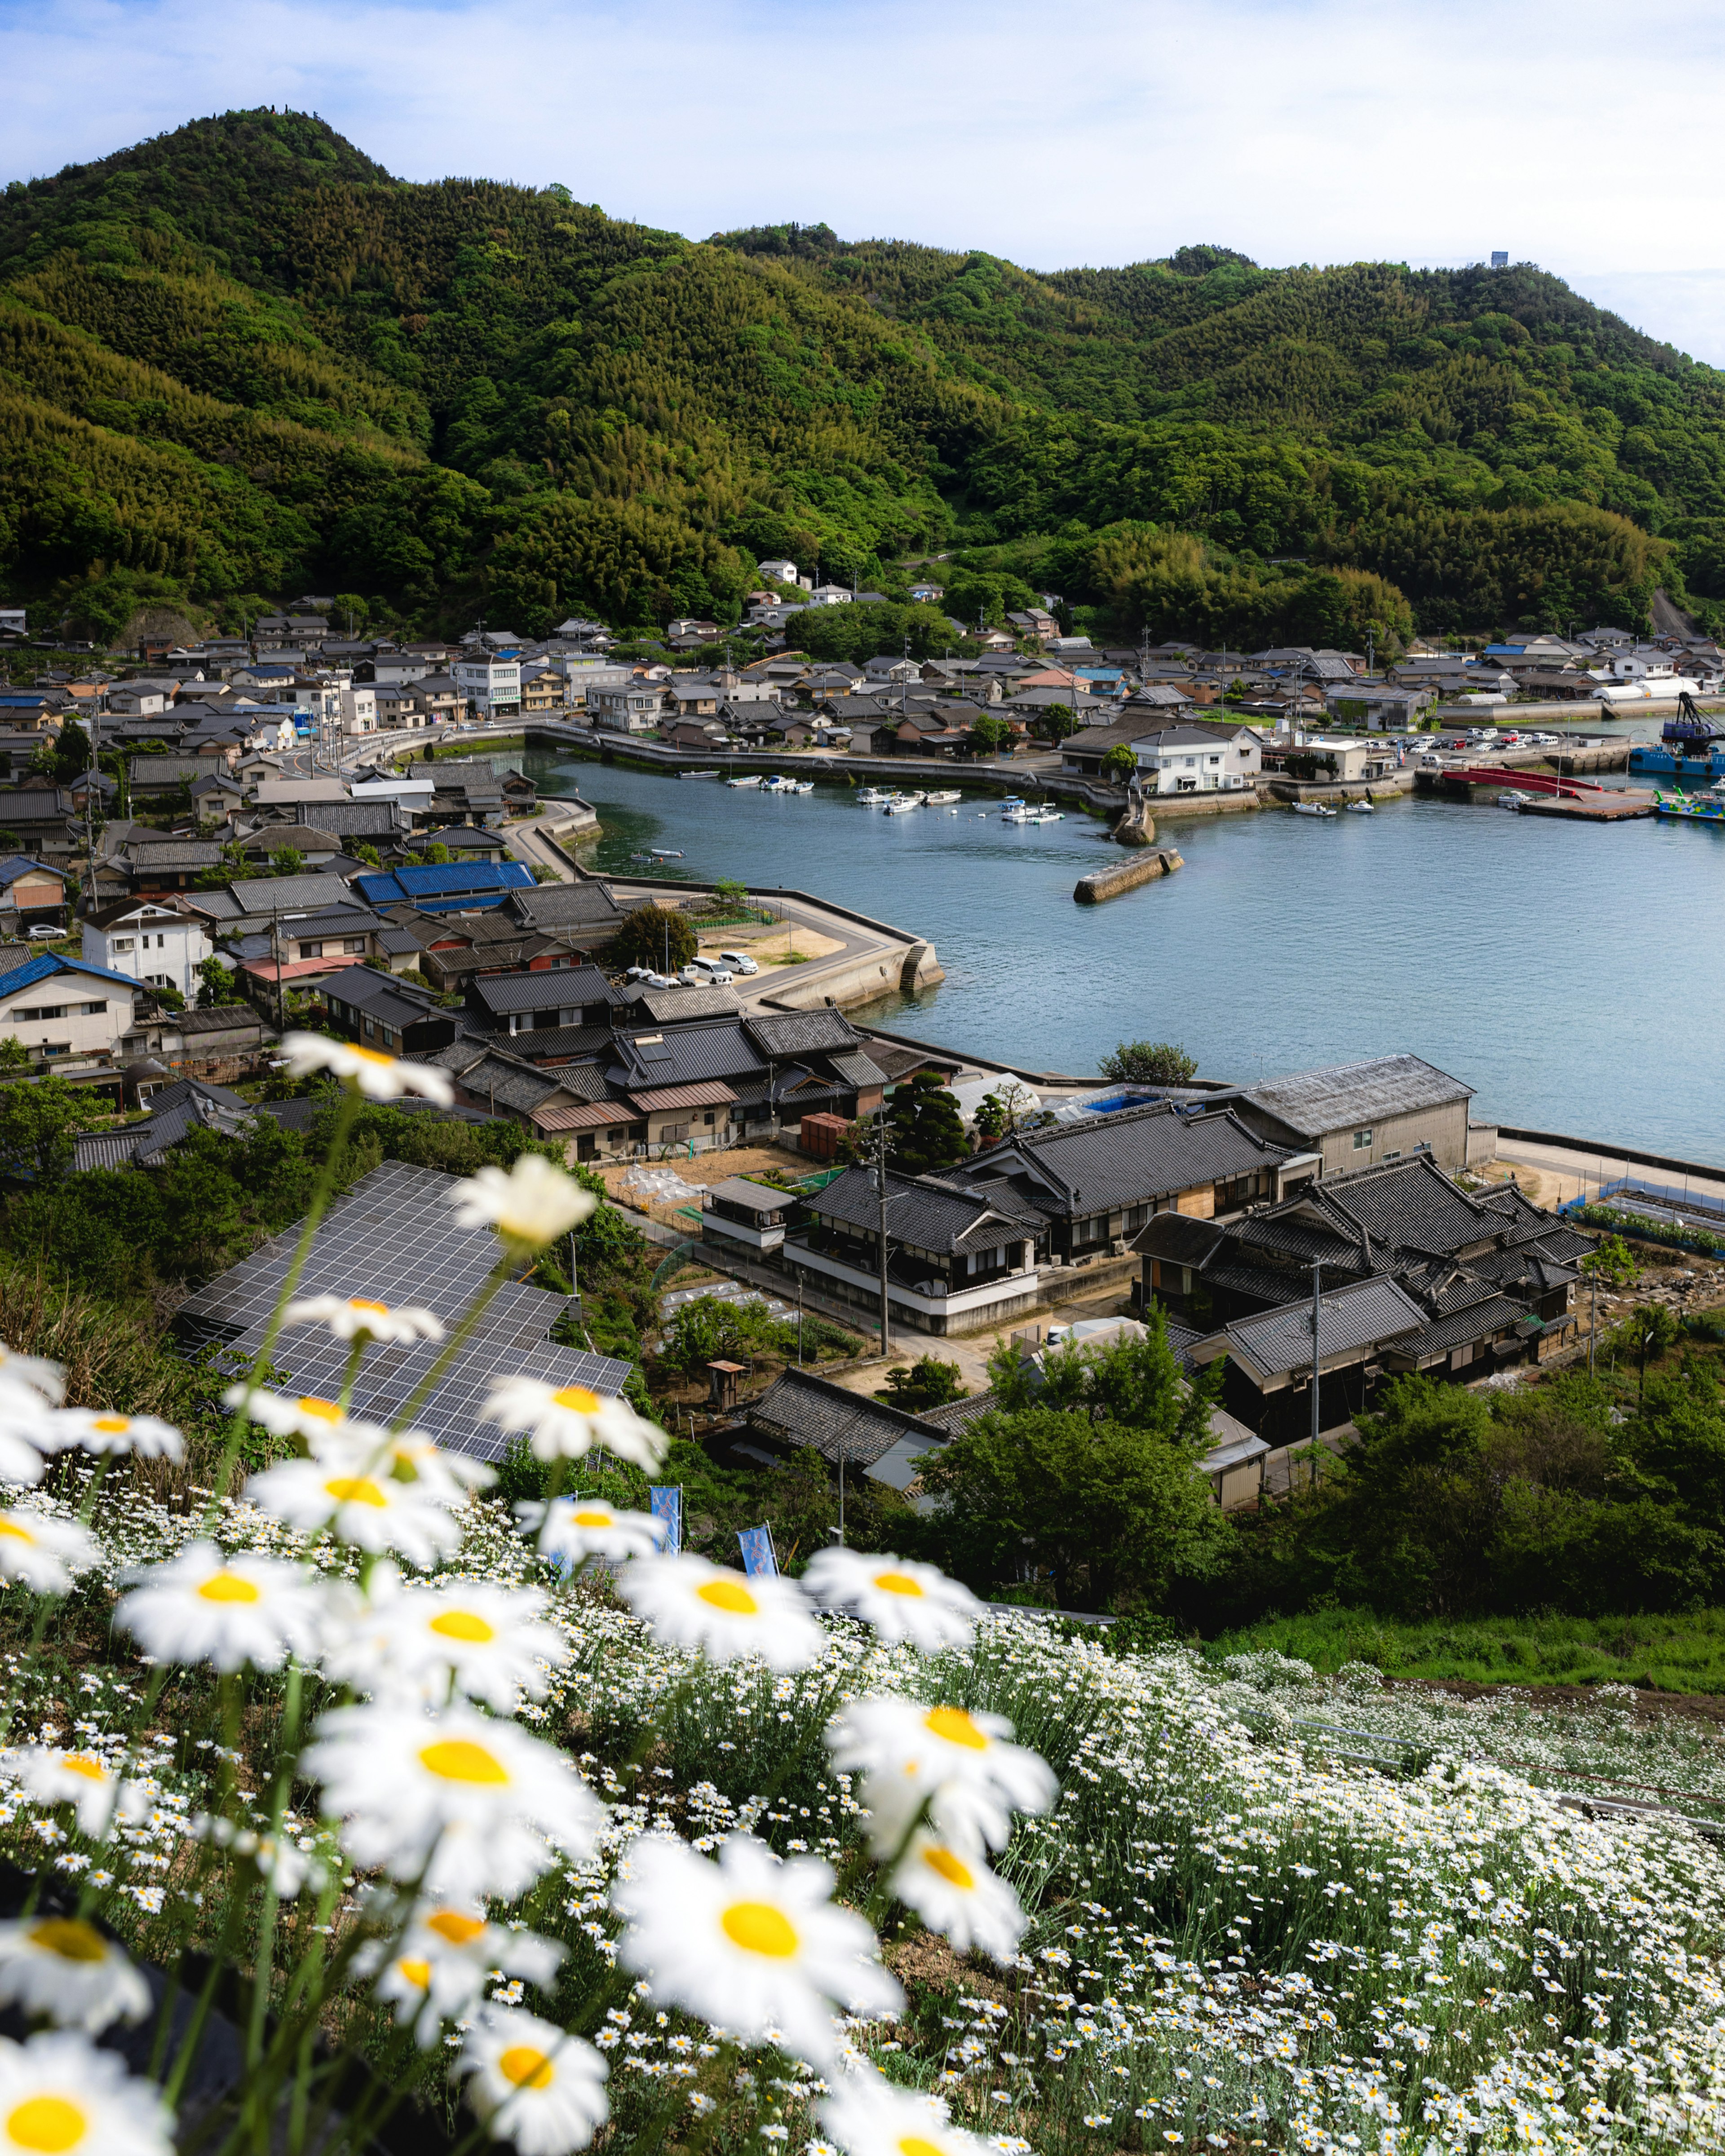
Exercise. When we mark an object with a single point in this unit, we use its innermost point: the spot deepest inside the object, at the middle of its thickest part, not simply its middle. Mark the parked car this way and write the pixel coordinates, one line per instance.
(704, 974)
(739, 962)
(44, 933)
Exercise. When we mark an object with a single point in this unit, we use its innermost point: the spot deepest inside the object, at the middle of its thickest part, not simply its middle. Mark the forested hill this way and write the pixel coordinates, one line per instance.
(241, 361)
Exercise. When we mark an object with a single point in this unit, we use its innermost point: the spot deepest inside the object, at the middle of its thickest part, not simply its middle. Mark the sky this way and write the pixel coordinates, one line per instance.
(1296, 130)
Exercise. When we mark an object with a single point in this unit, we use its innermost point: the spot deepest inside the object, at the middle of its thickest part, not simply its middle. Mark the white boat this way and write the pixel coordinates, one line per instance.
(799, 786)
(1013, 803)
(1513, 800)
(902, 804)
(873, 797)
(1046, 816)
(749, 778)
(1312, 809)
(1360, 808)
(776, 784)
(941, 800)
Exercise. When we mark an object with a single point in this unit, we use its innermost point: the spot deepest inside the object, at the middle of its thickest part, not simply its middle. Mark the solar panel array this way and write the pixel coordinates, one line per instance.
(394, 1239)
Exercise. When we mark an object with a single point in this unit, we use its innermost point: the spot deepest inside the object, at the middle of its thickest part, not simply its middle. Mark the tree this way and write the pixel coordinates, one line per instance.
(991, 1119)
(233, 867)
(654, 935)
(1058, 722)
(988, 735)
(38, 1120)
(1121, 764)
(216, 984)
(1150, 1063)
(1086, 1472)
(438, 855)
(369, 855)
(924, 1129)
(1613, 1261)
(729, 895)
(926, 1383)
(289, 862)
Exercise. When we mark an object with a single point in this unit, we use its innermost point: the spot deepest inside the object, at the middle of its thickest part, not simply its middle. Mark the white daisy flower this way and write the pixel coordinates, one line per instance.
(489, 1642)
(146, 1435)
(954, 1893)
(533, 1204)
(471, 1799)
(902, 1601)
(378, 1077)
(31, 1375)
(444, 1959)
(690, 1603)
(572, 1529)
(567, 1421)
(85, 1781)
(869, 2117)
(203, 1607)
(42, 1552)
(59, 2096)
(64, 1968)
(26, 1433)
(752, 1943)
(956, 1762)
(355, 1316)
(316, 1421)
(411, 1456)
(370, 1509)
(532, 2083)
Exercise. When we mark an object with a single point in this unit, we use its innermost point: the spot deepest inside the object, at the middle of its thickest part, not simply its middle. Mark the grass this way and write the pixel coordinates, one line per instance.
(1674, 1654)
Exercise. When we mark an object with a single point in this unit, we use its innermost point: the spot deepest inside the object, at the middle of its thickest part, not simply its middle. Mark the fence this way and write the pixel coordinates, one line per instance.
(1654, 1213)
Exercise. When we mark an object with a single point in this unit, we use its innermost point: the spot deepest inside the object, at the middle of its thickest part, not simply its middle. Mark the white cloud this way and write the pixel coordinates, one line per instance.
(1303, 130)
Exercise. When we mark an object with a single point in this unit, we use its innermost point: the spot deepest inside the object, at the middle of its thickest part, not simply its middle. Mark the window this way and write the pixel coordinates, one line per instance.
(312, 950)
(1362, 1140)
(56, 1048)
(95, 1010)
(351, 944)
(42, 1010)
(122, 943)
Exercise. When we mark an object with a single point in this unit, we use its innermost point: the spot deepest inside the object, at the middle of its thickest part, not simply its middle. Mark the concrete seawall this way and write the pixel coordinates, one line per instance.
(1125, 875)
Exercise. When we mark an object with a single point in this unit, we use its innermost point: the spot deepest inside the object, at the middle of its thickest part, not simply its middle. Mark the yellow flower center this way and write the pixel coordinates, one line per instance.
(463, 1624)
(81, 1763)
(70, 1937)
(577, 1399)
(112, 1426)
(356, 1490)
(758, 1928)
(48, 2124)
(451, 1925)
(595, 1519)
(417, 1973)
(371, 1055)
(897, 1582)
(325, 1410)
(364, 1302)
(913, 2144)
(9, 1527)
(229, 1587)
(956, 1727)
(955, 1873)
(728, 1594)
(459, 1759)
(525, 2067)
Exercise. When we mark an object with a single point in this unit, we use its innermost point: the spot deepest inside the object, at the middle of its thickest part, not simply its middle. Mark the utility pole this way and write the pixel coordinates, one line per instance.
(880, 1194)
(1317, 1304)
(1593, 1329)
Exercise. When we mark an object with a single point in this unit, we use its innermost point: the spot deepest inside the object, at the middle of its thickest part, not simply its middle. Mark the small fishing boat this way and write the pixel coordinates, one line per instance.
(1046, 816)
(799, 786)
(1013, 801)
(749, 778)
(697, 774)
(941, 800)
(1313, 808)
(659, 854)
(1513, 801)
(902, 804)
(776, 784)
(1361, 808)
(873, 797)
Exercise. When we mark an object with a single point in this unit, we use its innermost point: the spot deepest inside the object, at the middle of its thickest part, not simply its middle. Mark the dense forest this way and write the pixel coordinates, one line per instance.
(241, 361)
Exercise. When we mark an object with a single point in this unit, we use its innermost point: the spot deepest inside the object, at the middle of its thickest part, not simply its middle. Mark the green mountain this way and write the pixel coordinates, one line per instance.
(241, 361)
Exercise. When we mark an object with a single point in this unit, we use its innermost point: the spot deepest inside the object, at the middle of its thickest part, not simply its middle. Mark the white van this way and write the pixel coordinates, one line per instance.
(705, 973)
(739, 962)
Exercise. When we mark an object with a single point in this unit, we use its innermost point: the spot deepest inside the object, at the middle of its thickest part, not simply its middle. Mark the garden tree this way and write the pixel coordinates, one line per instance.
(991, 1119)
(1085, 1471)
(1149, 1063)
(654, 937)
(924, 1129)
(1121, 764)
(1006, 1110)
(1613, 1261)
(729, 895)
(39, 1117)
(926, 1383)
(233, 867)
(988, 735)
(369, 855)
(1057, 722)
(438, 854)
(289, 861)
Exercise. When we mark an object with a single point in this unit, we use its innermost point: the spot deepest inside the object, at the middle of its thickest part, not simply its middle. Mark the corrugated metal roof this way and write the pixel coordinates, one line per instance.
(714, 1093)
(1278, 1341)
(582, 1115)
(1346, 1094)
(451, 879)
(550, 989)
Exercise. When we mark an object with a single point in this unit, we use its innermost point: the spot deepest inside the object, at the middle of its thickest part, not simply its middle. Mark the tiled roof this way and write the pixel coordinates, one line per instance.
(549, 989)
(1314, 1102)
(1477, 1320)
(802, 1033)
(685, 1055)
(800, 1408)
(713, 1094)
(559, 905)
(1177, 1238)
(927, 1215)
(1130, 1157)
(857, 1069)
(1359, 1316)
(658, 1005)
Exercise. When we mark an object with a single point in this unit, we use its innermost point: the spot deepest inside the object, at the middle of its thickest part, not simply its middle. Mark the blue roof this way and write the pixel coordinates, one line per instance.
(45, 967)
(17, 864)
(450, 880)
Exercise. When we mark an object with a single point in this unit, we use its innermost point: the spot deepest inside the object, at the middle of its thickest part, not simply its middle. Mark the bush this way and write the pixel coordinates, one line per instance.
(1150, 1063)
(926, 1383)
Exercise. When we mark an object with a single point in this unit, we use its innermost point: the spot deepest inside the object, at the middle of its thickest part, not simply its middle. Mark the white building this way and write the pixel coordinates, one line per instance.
(779, 572)
(147, 943)
(628, 707)
(491, 686)
(831, 595)
(1192, 760)
(65, 1014)
(359, 708)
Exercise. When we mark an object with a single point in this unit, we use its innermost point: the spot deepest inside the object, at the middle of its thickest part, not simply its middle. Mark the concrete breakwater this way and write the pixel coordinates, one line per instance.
(1127, 875)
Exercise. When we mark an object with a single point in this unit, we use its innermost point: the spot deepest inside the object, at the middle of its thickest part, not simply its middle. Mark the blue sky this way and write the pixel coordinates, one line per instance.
(1319, 130)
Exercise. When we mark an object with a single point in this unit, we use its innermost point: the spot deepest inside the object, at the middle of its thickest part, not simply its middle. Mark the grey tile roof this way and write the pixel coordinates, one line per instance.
(565, 904)
(800, 1408)
(684, 1055)
(857, 1069)
(1344, 1094)
(263, 897)
(672, 1005)
(1177, 1238)
(802, 1033)
(551, 988)
(925, 1214)
(1127, 1158)
(1360, 1316)
(1477, 1320)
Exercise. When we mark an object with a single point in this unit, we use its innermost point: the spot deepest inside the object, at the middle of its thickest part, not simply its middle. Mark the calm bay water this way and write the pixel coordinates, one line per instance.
(1569, 973)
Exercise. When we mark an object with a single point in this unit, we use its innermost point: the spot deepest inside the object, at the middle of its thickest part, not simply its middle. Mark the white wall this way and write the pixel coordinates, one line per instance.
(162, 947)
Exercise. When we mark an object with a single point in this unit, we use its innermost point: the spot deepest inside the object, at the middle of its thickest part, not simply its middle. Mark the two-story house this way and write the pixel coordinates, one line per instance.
(490, 685)
(148, 942)
(68, 1015)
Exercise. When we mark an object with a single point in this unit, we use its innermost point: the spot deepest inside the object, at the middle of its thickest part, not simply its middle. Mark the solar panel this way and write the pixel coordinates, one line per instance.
(394, 1238)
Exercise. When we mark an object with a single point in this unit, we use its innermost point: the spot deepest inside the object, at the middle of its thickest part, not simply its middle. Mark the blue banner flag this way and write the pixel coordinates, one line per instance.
(758, 1561)
(666, 1501)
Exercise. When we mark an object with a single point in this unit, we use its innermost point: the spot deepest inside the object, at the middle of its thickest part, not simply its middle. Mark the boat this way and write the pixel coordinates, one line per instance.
(697, 774)
(659, 854)
(775, 784)
(1361, 808)
(799, 786)
(1513, 800)
(1313, 808)
(873, 797)
(941, 800)
(749, 778)
(1012, 801)
(1705, 808)
(1046, 816)
(900, 803)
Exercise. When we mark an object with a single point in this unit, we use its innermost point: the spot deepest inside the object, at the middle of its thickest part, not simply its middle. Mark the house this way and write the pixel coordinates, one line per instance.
(378, 1012)
(956, 1260)
(32, 894)
(1382, 708)
(1197, 759)
(754, 1216)
(1343, 759)
(38, 818)
(489, 684)
(778, 573)
(525, 1002)
(460, 886)
(1355, 1114)
(158, 945)
(69, 1015)
(629, 707)
(581, 917)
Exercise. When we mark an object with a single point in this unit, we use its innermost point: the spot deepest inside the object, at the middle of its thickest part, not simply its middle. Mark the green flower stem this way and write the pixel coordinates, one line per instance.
(355, 1355)
(266, 1922)
(320, 1197)
(201, 2012)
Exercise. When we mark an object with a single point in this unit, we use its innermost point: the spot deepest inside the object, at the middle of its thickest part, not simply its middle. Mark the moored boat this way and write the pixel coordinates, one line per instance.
(941, 800)
(749, 778)
(1705, 808)
(1313, 808)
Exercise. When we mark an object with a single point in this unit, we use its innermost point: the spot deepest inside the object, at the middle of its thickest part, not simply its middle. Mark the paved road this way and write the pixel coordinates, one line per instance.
(1565, 1173)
